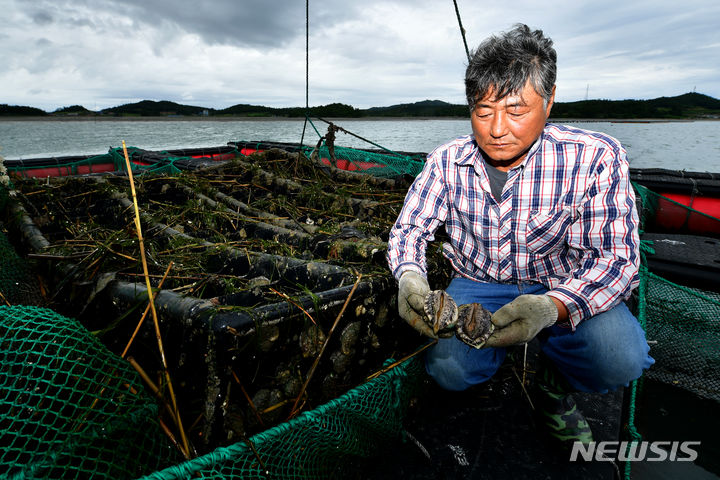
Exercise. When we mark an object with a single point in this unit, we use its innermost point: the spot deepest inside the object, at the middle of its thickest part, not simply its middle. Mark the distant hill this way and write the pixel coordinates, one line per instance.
(20, 111)
(331, 110)
(150, 108)
(426, 108)
(248, 111)
(687, 106)
(74, 110)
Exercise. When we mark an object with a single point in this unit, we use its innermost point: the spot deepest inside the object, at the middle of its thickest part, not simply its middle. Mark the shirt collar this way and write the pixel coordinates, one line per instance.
(466, 153)
(469, 152)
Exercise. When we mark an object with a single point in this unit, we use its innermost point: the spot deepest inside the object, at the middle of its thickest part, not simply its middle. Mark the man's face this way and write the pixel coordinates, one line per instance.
(505, 129)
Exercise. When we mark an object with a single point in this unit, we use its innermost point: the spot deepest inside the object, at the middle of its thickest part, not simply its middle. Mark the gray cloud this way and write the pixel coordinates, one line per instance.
(42, 18)
(254, 23)
(218, 53)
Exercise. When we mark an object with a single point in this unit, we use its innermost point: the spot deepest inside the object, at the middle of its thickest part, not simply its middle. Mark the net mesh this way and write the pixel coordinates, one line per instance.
(112, 161)
(376, 164)
(69, 408)
(17, 283)
(65, 167)
(72, 409)
(319, 443)
(167, 166)
(683, 325)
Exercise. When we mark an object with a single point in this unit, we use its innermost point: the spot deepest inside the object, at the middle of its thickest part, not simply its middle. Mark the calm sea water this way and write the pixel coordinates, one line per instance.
(693, 146)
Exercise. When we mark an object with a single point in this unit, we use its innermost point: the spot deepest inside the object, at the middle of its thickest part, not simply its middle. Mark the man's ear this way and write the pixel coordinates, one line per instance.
(550, 102)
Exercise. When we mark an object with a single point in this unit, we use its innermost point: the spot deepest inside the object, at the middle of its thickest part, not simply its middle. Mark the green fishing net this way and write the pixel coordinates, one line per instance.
(376, 164)
(70, 409)
(319, 443)
(380, 163)
(682, 326)
(112, 161)
(17, 283)
(65, 167)
(681, 323)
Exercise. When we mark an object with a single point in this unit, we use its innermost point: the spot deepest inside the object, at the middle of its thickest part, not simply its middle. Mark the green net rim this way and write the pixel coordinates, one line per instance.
(303, 420)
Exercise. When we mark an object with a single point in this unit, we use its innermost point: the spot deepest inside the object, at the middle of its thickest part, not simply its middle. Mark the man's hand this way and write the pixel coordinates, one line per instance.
(521, 320)
(413, 289)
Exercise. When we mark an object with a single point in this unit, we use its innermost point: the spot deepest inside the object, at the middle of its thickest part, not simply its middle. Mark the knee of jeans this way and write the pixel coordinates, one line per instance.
(615, 350)
(620, 368)
(455, 366)
(448, 373)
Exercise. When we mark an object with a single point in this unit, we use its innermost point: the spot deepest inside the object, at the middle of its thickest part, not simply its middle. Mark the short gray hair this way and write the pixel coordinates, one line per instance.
(506, 62)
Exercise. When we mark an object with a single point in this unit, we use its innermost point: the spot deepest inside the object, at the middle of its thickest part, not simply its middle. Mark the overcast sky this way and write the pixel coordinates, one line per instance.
(218, 53)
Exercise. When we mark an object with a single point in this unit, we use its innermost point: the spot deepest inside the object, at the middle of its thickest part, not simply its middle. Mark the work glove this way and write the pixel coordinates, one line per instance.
(413, 290)
(521, 320)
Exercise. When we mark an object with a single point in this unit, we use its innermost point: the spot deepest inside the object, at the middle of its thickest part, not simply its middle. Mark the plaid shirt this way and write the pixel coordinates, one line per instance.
(566, 219)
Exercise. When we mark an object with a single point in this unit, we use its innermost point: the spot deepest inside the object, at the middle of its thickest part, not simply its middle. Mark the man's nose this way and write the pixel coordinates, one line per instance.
(498, 127)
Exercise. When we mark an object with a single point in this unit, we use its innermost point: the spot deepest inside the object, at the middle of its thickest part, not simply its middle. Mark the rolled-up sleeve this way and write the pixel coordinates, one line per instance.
(424, 210)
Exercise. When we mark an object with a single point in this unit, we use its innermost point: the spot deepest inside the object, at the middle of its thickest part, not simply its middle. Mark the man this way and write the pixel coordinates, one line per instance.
(543, 232)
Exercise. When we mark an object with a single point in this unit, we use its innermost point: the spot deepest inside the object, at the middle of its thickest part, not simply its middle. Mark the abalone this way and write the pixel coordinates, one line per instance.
(442, 313)
(473, 325)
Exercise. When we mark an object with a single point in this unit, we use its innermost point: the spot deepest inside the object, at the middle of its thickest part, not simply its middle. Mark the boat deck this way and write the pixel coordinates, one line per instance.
(489, 431)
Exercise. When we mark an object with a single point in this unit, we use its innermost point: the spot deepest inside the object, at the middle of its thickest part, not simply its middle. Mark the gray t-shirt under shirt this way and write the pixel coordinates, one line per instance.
(497, 180)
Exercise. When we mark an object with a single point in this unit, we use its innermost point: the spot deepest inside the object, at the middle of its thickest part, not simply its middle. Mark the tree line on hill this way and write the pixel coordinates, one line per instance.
(687, 106)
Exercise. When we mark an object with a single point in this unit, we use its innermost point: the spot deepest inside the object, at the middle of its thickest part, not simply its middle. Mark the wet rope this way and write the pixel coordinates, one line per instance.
(307, 67)
(462, 30)
(307, 54)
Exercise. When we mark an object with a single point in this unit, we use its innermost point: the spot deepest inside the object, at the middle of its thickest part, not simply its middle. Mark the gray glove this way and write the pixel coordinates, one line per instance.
(521, 320)
(413, 289)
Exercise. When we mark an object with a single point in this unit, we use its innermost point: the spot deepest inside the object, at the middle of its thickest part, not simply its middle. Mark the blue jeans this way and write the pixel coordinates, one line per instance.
(604, 352)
